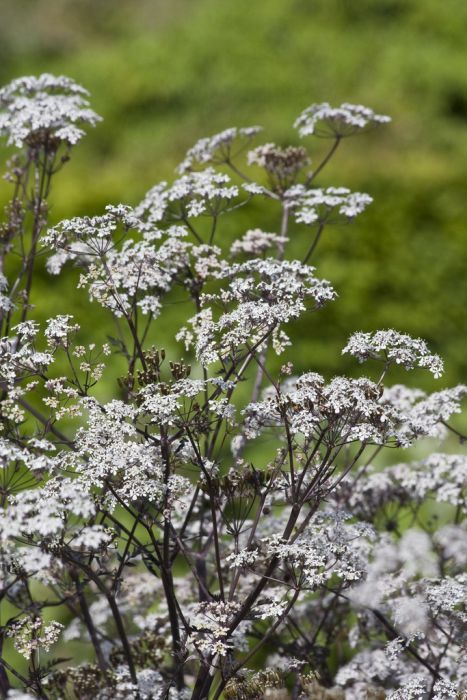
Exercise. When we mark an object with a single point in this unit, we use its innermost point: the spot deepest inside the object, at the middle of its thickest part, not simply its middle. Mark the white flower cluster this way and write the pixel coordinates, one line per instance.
(5, 302)
(43, 512)
(207, 193)
(418, 686)
(108, 449)
(138, 273)
(210, 623)
(36, 461)
(330, 547)
(324, 120)
(218, 149)
(347, 410)
(18, 359)
(439, 476)
(256, 242)
(179, 564)
(44, 110)
(265, 294)
(319, 205)
(163, 405)
(421, 609)
(394, 348)
(421, 415)
(90, 235)
(30, 634)
(59, 331)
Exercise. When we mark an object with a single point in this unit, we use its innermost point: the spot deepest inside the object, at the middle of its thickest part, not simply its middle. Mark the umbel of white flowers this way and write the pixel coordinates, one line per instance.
(218, 526)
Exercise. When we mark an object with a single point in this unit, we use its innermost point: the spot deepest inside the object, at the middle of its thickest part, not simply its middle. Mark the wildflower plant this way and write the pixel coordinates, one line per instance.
(195, 543)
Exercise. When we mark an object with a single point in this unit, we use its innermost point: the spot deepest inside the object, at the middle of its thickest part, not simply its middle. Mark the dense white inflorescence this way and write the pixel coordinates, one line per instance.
(348, 119)
(220, 148)
(394, 348)
(311, 206)
(130, 535)
(47, 108)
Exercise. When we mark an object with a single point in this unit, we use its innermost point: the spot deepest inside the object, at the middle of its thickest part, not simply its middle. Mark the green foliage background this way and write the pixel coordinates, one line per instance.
(163, 73)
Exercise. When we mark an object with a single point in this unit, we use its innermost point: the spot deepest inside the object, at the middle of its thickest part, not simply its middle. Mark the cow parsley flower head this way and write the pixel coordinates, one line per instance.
(206, 192)
(416, 687)
(325, 205)
(442, 477)
(91, 235)
(59, 331)
(255, 242)
(324, 120)
(424, 415)
(31, 634)
(264, 294)
(394, 348)
(219, 148)
(44, 109)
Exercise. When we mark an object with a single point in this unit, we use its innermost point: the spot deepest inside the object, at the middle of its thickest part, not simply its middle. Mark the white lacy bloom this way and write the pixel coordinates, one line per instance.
(413, 688)
(426, 417)
(446, 595)
(329, 547)
(91, 539)
(270, 608)
(206, 192)
(35, 461)
(394, 348)
(445, 690)
(46, 109)
(94, 233)
(417, 686)
(25, 361)
(150, 685)
(41, 512)
(30, 634)
(351, 407)
(265, 293)
(415, 552)
(367, 666)
(245, 557)
(253, 188)
(324, 120)
(138, 271)
(439, 476)
(109, 448)
(402, 398)
(255, 242)
(34, 562)
(5, 302)
(211, 622)
(59, 329)
(320, 205)
(223, 409)
(163, 405)
(27, 330)
(218, 149)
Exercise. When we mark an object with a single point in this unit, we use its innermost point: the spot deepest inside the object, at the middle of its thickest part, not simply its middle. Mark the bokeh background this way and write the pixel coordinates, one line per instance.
(164, 73)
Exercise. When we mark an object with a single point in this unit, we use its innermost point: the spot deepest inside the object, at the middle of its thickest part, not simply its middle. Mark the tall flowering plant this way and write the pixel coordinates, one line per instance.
(218, 528)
